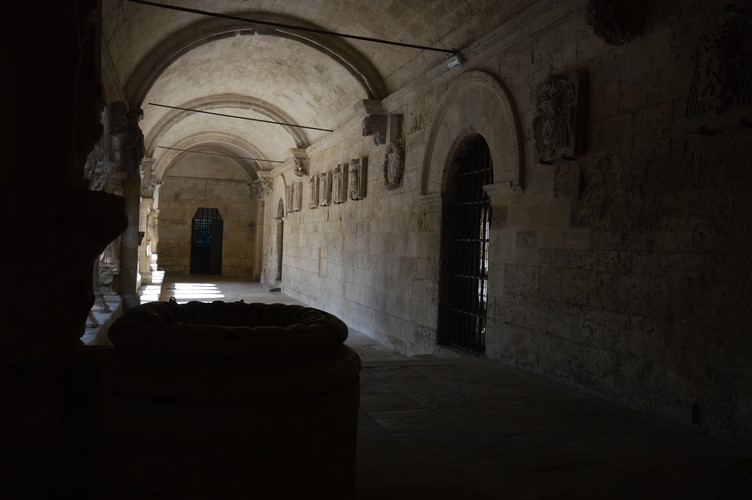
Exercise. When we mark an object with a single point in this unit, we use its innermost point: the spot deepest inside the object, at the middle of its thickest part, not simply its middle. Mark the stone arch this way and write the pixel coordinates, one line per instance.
(476, 103)
(298, 136)
(228, 144)
(207, 30)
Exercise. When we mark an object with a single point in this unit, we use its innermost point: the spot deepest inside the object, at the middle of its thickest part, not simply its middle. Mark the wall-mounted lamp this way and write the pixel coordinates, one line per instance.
(455, 60)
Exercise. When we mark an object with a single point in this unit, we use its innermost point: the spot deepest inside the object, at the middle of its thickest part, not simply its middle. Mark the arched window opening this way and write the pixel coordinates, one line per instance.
(466, 224)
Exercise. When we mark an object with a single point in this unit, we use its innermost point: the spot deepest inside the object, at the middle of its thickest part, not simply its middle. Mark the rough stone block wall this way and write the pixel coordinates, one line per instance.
(180, 197)
(625, 272)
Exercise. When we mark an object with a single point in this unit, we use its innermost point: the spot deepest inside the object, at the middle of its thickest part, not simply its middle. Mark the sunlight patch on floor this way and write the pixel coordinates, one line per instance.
(203, 292)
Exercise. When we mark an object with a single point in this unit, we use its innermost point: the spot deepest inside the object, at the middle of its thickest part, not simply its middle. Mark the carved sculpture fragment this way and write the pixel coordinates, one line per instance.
(358, 175)
(559, 122)
(325, 189)
(720, 95)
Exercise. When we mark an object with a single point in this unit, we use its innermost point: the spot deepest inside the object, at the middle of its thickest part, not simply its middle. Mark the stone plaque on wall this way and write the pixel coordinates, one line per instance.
(720, 95)
(325, 189)
(560, 117)
(297, 196)
(288, 198)
(313, 190)
(339, 184)
(394, 164)
(358, 178)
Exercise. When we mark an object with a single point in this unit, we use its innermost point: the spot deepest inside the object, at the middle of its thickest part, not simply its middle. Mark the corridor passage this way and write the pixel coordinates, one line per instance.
(463, 427)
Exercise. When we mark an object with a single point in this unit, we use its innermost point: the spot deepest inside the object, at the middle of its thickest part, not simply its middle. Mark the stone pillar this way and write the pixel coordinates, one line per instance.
(146, 205)
(133, 152)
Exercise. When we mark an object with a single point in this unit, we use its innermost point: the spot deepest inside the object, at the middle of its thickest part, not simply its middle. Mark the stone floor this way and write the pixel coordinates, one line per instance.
(466, 427)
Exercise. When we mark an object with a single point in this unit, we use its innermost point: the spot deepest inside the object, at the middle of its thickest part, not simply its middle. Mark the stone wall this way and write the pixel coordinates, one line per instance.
(182, 194)
(624, 270)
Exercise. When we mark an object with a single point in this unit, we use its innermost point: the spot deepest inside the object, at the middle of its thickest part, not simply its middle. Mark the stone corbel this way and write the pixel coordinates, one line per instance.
(300, 157)
(374, 121)
(614, 21)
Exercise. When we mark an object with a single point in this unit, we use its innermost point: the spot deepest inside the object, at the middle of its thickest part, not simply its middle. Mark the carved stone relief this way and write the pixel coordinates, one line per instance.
(325, 189)
(313, 187)
(288, 198)
(358, 175)
(339, 184)
(614, 21)
(394, 164)
(720, 94)
(559, 122)
(297, 197)
(148, 179)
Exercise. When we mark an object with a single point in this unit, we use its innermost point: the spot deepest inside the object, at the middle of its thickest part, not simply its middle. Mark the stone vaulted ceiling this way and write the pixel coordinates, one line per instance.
(232, 67)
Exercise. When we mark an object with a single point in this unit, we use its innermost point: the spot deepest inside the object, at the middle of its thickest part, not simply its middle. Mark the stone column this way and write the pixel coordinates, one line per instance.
(133, 151)
(146, 205)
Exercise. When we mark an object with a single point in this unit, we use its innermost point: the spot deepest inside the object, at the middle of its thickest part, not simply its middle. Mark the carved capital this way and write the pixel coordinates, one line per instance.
(260, 188)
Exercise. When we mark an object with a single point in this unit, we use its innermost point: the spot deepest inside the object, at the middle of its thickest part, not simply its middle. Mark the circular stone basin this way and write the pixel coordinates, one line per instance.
(229, 400)
(227, 330)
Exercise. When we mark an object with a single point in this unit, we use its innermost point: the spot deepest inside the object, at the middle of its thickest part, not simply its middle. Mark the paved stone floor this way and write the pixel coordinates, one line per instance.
(466, 427)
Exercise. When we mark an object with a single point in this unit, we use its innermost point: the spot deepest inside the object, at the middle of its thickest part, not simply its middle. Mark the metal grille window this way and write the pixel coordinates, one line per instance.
(466, 231)
(206, 241)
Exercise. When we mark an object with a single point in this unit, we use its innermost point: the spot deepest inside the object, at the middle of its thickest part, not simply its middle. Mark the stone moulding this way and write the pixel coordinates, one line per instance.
(476, 103)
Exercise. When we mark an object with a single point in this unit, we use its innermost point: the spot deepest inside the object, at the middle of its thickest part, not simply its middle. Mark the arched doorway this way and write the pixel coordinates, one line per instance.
(466, 224)
(206, 241)
(280, 237)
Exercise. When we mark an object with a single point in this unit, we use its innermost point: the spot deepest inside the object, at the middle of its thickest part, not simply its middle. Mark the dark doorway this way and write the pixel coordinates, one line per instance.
(206, 242)
(466, 223)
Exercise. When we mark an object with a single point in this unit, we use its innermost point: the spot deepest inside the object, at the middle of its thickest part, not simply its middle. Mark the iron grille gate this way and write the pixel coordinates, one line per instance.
(467, 282)
(206, 241)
